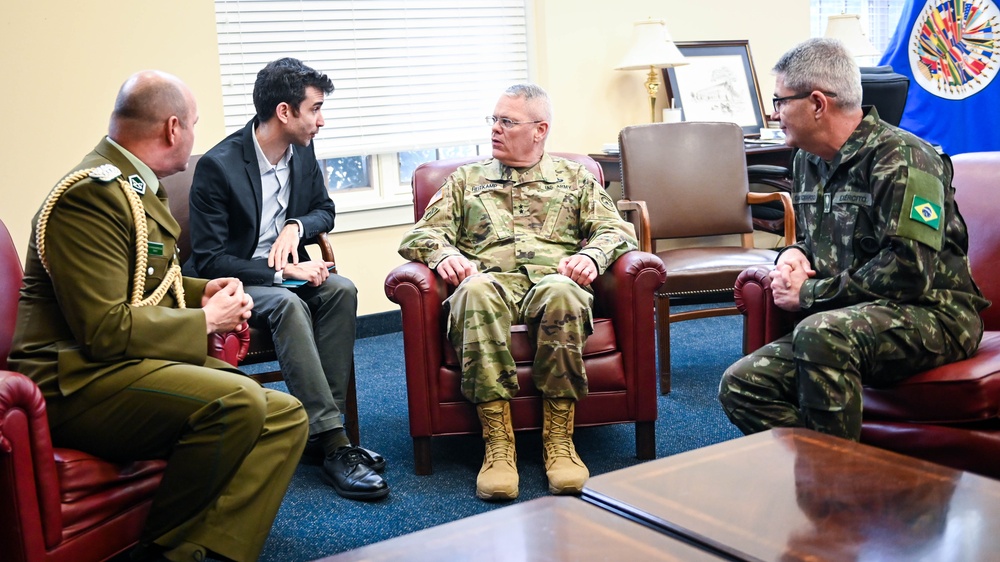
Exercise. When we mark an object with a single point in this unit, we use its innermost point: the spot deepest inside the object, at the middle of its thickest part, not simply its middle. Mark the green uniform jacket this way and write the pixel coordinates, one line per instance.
(504, 220)
(879, 224)
(78, 325)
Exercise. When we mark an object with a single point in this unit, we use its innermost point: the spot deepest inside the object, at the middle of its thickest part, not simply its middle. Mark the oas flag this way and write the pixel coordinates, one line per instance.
(950, 49)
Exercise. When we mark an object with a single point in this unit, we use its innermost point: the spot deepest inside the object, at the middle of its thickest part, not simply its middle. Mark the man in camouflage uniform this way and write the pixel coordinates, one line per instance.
(507, 233)
(880, 261)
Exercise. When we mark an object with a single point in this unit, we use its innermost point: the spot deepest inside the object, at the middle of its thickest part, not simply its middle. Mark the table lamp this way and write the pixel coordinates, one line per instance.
(847, 28)
(651, 48)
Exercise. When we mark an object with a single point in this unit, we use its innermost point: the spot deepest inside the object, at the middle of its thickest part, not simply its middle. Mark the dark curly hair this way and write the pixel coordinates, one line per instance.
(285, 80)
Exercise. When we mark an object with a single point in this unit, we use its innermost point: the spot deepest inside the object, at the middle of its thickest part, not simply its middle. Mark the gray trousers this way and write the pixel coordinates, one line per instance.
(313, 332)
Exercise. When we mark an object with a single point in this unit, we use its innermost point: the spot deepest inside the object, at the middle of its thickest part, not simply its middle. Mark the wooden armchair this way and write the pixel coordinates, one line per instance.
(684, 181)
(951, 414)
(619, 356)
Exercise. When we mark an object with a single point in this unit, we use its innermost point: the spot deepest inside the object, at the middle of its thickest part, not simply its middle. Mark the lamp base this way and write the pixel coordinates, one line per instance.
(653, 87)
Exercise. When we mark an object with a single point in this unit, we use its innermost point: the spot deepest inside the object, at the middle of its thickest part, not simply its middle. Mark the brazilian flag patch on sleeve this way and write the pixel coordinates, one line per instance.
(922, 209)
(926, 212)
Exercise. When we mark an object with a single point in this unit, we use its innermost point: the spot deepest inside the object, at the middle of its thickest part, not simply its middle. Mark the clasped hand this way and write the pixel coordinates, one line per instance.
(226, 306)
(791, 271)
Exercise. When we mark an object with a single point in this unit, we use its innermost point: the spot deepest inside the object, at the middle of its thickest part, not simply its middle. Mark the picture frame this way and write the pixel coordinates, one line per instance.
(719, 83)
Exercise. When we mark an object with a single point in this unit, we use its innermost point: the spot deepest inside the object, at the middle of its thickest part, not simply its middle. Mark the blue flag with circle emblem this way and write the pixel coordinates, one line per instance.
(950, 50)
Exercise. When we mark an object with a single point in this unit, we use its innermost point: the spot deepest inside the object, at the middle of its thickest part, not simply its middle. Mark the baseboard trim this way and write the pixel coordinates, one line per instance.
(378, 324)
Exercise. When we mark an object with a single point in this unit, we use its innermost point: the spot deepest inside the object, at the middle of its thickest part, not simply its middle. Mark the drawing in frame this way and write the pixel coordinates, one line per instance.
(719, 83)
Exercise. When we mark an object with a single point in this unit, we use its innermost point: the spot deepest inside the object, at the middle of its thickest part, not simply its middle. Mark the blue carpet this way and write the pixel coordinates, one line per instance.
(315, 522)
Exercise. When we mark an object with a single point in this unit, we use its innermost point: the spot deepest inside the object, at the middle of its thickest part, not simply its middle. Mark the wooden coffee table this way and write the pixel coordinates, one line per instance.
(549, 529)
(794, 494)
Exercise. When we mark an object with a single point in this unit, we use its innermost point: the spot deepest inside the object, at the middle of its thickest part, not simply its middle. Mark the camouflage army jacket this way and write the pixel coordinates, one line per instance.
(879, 223)
(505, 220)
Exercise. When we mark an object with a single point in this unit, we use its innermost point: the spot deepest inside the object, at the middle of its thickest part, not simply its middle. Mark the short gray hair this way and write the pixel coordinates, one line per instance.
(822, 64)
(536, 98)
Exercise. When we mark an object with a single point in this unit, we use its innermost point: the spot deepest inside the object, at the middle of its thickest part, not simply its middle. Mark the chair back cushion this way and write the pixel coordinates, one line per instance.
(976, 186)
(10, 287)
(886, 90)
(430, 176)
(692, 176)
(178, 188)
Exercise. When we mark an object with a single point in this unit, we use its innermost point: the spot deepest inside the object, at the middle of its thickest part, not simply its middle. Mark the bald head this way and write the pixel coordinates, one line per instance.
(146, 100)
(154, 119)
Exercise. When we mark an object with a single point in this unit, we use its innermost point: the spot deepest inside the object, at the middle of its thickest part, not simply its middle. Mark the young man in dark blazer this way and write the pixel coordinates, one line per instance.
(255, 198)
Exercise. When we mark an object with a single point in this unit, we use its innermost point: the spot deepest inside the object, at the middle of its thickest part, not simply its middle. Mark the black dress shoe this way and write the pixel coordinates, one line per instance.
(313, 454)
(347, 472)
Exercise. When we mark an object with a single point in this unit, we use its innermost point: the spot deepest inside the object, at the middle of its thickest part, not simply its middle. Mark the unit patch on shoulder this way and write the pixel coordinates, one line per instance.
(137, 184)
(105, 173)
(608, 203)
(926, 212)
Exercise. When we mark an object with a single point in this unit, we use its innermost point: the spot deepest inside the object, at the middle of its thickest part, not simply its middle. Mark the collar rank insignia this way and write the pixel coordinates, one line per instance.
(105, 173)
(137, 184)
(925, 212)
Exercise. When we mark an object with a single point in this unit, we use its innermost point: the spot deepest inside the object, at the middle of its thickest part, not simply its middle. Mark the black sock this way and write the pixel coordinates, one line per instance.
(333, 439)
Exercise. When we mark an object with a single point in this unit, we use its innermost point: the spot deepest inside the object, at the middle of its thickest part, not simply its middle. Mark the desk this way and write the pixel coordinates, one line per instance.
(549, 529)
(794, 494)
(774, 155)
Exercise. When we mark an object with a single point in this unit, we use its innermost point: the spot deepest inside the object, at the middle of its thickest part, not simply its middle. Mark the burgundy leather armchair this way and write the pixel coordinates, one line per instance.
(61, 504)
(620, 355)
(951, 414)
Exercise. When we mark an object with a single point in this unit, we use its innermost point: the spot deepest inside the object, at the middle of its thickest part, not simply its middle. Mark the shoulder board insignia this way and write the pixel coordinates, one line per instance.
(105, 173)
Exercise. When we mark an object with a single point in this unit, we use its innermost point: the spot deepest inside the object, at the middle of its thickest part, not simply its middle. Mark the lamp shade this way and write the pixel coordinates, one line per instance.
(847, 28)
(651, 46)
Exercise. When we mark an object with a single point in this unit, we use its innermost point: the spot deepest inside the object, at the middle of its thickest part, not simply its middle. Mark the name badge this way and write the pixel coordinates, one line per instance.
(476, 190)
(853, 198)
(154, 248)
(805, 198)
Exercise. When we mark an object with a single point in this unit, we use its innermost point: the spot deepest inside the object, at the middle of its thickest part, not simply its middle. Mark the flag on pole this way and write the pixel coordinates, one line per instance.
(950, 50)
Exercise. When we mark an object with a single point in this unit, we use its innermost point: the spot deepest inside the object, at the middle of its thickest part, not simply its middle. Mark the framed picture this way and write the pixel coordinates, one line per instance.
(719, 83)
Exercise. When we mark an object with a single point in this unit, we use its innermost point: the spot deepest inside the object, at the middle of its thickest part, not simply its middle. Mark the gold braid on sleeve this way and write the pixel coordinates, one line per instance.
(172, 280)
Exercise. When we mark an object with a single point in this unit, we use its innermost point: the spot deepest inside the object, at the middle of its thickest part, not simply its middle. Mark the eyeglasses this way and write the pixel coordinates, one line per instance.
(507, 123)
(780, 102)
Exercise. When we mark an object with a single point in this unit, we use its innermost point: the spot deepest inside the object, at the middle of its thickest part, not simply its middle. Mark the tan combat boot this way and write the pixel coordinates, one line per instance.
(566, 472)
(498, 478)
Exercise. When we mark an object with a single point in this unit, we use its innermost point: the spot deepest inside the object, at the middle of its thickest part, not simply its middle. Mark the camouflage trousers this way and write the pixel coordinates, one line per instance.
(557, 313)
(813, 377)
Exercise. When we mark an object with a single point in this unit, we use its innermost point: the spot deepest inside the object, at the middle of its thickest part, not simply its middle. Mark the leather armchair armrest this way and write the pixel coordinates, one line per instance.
(778, 177)
(231, 347)
(26, 455)
(625, 293)
(419, 292)
(763, 321)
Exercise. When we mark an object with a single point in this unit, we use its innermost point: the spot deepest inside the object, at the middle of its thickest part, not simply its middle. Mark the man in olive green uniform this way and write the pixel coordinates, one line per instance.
(507, 233)
(116, 340)
(880, 260)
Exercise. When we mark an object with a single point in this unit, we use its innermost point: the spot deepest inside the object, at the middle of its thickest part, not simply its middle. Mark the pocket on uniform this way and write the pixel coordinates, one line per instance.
(156, 270)
(557, 218)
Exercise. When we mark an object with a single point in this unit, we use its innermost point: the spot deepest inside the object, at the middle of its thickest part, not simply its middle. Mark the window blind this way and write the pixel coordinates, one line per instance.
(407, 74)
(879, 18)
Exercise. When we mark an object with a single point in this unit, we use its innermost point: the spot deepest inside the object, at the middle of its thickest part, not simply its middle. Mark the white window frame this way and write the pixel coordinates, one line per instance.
(879, 19)
(368, 101)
